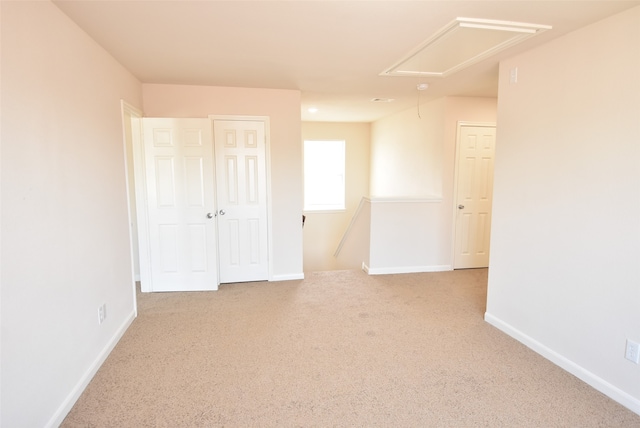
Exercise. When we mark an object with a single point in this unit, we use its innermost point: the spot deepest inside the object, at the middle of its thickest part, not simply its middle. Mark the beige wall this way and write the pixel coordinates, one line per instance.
(406, 153)
(564, 274)
(413, 156)
(412, 178)
(65, 232)
(283, 109)
(323, 231)
(413, 164)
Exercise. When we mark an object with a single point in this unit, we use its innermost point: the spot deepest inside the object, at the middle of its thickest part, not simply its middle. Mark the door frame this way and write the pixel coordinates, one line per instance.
(133, 116)
(142, 212)
(460, 124)
(267, 154)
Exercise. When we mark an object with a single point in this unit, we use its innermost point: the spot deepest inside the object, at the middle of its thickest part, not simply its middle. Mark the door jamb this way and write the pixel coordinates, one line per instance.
(267, 154)
(140, 180)
(459, 126)
(133, 115)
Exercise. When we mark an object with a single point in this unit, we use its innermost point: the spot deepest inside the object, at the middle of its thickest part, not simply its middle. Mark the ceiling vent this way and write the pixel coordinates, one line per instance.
(463, 42)
(382, 100)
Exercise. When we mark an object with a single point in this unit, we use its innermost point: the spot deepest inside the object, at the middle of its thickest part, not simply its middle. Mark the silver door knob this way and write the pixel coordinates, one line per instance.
(460, 207)
(221, 212)
(209, 215)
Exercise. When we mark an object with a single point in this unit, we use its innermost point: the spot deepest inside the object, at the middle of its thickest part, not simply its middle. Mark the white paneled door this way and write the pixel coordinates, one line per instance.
(476, 146)
(241, 194)
(180, 204)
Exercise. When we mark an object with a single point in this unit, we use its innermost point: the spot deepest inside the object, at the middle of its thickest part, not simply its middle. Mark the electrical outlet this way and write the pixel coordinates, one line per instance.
(632, 352)
(102, 313)
(513, 75)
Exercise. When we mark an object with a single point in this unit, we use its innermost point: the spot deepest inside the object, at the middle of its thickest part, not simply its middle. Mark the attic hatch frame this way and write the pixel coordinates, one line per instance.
(461, 43)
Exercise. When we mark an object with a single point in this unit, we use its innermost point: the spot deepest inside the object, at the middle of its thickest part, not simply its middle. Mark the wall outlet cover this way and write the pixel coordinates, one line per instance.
(632, 352)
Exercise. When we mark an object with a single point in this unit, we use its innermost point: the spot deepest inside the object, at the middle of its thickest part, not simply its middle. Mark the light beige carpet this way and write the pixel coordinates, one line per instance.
(339, 349)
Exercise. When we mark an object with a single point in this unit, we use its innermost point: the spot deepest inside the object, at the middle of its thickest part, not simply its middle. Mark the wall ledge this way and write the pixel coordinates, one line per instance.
(404, 200)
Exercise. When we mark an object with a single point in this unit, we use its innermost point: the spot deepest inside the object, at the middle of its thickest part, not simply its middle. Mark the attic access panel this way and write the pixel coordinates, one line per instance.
(461, 43)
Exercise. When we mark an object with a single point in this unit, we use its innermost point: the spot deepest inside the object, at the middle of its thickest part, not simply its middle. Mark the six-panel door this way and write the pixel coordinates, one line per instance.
(474, 196)
(180, 195)
(241, 194)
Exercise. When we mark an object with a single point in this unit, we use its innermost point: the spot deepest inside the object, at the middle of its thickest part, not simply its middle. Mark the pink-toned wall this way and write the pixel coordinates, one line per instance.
(65, 228)
(285, 151)
(564, 276)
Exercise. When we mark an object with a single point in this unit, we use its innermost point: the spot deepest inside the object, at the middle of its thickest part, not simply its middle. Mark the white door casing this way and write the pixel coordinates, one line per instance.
(132, 134)
(241, 195)
(473, 196)
(179, 180)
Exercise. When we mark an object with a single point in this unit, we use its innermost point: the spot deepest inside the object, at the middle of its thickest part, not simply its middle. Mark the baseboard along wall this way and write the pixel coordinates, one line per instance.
(404, 269)
(82, 384)
(580, 372)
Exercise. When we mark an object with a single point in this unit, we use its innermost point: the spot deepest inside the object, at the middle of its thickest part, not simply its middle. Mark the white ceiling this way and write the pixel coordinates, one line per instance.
(332, 51)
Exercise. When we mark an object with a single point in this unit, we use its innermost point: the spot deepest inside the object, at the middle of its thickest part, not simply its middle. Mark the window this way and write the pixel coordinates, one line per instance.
(324, 175)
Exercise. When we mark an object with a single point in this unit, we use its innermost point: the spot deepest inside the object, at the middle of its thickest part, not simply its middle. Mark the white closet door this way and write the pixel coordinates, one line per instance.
(180, 201)
(241, 193)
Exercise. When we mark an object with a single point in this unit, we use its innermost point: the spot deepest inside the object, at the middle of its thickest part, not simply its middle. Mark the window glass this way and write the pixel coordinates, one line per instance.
(324, 185)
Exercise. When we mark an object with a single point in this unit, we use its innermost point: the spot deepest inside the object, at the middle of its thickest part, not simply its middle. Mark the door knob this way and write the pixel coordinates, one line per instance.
(209, 215)
(222, 212)
(460, 207)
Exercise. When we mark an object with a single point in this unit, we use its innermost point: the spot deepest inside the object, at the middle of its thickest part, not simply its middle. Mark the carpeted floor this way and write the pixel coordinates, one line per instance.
(339, 349)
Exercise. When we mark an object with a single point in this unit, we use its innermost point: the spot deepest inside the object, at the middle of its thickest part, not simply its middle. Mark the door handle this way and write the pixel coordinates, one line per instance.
(461, 207)
(209, 215)
(222, 212)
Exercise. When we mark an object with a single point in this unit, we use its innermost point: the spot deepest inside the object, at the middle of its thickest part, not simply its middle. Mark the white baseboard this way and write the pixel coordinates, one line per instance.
(405, 269)
(287, 277)
(75, 393)
(580, 372)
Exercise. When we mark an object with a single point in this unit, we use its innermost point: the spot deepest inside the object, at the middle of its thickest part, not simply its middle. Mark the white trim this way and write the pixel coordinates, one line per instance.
(454, 198)
(142, 210)
(365, 268)
(132, 112)
(267, 137)
(521, 30)
(405, 269)
(580, 372)
(77, 390)
(286, 277)
(427, 199)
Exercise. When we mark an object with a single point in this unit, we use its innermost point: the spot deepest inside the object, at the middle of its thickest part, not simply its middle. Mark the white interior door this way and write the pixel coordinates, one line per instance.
(178, 161)
(476, 146)
(241, 194)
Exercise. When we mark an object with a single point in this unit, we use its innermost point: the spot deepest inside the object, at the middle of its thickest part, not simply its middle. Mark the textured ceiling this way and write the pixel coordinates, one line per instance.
(332, 51)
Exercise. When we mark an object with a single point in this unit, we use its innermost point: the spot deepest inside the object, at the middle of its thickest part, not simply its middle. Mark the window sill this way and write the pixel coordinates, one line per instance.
(336, 211)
